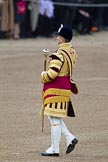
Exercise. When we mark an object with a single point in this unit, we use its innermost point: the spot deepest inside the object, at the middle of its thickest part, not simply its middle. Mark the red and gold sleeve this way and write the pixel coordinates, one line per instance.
(54, 68)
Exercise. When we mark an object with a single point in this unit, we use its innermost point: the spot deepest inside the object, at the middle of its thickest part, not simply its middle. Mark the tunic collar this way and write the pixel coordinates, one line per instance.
(63, 45)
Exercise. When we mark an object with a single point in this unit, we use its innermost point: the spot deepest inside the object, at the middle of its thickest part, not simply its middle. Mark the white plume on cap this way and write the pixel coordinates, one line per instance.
(60, 28)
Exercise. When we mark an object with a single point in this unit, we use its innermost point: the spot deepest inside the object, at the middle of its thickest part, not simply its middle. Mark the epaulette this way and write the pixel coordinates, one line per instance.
(57, 56)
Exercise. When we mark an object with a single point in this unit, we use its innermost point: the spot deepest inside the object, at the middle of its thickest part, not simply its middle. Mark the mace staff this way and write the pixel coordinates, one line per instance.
(45, 53)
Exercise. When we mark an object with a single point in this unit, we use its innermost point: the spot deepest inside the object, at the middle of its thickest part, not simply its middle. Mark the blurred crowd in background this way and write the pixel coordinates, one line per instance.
(32, 18)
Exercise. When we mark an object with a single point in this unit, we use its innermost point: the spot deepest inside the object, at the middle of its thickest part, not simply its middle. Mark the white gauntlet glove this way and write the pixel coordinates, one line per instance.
(42, 73)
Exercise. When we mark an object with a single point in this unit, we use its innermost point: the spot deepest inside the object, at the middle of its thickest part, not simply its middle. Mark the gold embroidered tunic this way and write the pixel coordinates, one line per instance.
(57, 87)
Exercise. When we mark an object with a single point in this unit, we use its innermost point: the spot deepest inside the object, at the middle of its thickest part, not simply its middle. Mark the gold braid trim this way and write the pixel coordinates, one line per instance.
(55, 63)
(52, 74)
(59, 92)
(55, 113)
(56, 99)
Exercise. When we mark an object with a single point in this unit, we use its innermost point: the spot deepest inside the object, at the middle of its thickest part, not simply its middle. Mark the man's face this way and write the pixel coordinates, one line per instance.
(60, 39)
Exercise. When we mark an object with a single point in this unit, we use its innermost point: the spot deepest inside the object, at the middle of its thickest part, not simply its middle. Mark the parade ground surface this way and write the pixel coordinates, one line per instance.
(21, 138)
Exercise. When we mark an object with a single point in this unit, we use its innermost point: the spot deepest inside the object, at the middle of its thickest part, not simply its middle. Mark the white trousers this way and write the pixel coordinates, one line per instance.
(58, 128)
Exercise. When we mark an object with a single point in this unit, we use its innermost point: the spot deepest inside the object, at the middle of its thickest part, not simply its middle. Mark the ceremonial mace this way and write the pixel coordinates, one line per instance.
(45, 52)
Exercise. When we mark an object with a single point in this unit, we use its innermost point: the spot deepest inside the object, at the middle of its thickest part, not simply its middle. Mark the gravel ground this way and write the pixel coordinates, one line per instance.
(21, 139)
